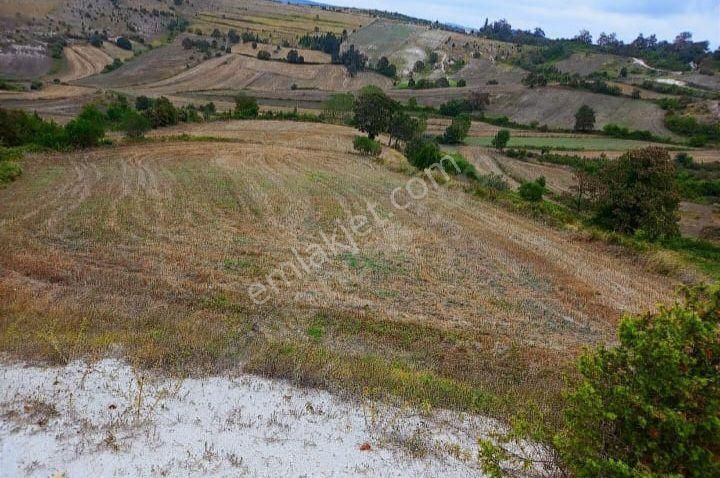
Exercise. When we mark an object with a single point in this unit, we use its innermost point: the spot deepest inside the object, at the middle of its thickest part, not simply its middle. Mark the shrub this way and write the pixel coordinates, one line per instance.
(36, 85)
(124, 43)
(142, 103)
(650, 406)
(246, 106)
(585, 119)
(532, 191)
(9, 171)
(461, 83)
(135, 124)
(162, 113)
(422, 153)
(264, 55)
(442, 83)
(367, 146)
(373, 110)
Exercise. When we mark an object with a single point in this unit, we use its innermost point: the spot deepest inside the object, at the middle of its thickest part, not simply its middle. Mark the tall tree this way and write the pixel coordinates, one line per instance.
(638, 192)
(585, 119)
(373, 111)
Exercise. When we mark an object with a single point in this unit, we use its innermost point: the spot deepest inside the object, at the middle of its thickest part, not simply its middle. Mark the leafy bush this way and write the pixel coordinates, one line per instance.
(367, 146)
(124, 43)
(246, 106)
(422, 153)
(533, 190)
(650, 406)
(161, 113)
(87, 129)
(135, 125)
(9, 171)
(264, 55)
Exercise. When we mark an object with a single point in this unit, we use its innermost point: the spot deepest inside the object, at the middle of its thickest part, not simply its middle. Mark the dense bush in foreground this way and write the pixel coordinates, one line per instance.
(367, 146)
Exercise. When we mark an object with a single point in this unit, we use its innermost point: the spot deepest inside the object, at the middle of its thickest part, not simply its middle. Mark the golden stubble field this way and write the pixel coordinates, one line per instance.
(149, 249)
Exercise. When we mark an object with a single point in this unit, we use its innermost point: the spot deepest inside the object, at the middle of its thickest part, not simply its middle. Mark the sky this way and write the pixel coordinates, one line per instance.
(564, 18)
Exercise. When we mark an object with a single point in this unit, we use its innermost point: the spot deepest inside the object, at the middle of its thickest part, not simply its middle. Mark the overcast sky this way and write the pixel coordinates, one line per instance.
(564, 18)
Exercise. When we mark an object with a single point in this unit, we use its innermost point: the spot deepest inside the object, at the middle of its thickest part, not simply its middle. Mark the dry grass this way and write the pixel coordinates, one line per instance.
(83, 61)
(150, 248)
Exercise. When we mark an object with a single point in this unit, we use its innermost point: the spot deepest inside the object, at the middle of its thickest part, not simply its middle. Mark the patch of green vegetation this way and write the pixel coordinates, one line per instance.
(364, 262)
(589, 143)
(236, 264)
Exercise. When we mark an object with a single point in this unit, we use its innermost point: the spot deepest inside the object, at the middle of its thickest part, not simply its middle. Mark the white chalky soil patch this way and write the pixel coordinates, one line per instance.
(108, 420)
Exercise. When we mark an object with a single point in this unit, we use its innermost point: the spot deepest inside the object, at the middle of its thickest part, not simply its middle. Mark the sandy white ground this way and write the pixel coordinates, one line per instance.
(109, 420)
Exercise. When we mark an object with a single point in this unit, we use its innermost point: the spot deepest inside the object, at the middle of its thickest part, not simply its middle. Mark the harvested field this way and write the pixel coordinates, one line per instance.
(478, 72)
(83, 61)
(556, 107)
(57, 102)
(239, 72)
(153, 65)
(280, 53)
(153, 246)
(586, 63)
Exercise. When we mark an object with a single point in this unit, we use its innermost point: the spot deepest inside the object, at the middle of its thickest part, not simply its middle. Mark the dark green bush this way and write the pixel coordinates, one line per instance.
(422, 153)
(246, 106)
(532, 191)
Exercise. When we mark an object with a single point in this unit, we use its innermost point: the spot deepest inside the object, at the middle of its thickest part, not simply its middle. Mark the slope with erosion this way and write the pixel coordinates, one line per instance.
(83, 61)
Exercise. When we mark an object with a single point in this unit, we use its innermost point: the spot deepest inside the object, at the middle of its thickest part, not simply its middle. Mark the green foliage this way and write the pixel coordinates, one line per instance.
(117, 63)
(338, 106)
(617, 131)
(404, 127)
(456, 164)
(585, 119)
(384, 67)
(650, 407)
(246, 106)
(366, 146)
(501, 139)
(457, 131)
(142, 103)
(162, 113)
(373, 110)
(9, 171)
(689, 126)
(264, 55)
(135, 124)
(87, 129)
(532, 190)
(638, 192)
(422, 153)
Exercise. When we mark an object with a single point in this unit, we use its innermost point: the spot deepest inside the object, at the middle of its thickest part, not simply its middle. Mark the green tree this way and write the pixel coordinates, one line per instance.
(458, 130)
(373, 110)
(404, 127)
(246, 106)
(638, 192)
(263, 55)
(162, 113)
(124, 43)
(135, 124)
(501, 139)
(650, 407)
(585, 119)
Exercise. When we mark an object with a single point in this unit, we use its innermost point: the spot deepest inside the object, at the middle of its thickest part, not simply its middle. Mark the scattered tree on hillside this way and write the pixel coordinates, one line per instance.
(501, 139)
(532, 190)
(585, 119)
(162, 113)
(458, 130)
(419, 66)
(422, 153)
(384, 67)
(264, 55)
(638, 192)
(404, 127)
(373, 110)
(135, 124)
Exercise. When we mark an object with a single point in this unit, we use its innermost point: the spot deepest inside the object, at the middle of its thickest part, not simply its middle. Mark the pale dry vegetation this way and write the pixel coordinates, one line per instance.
(151, 248)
